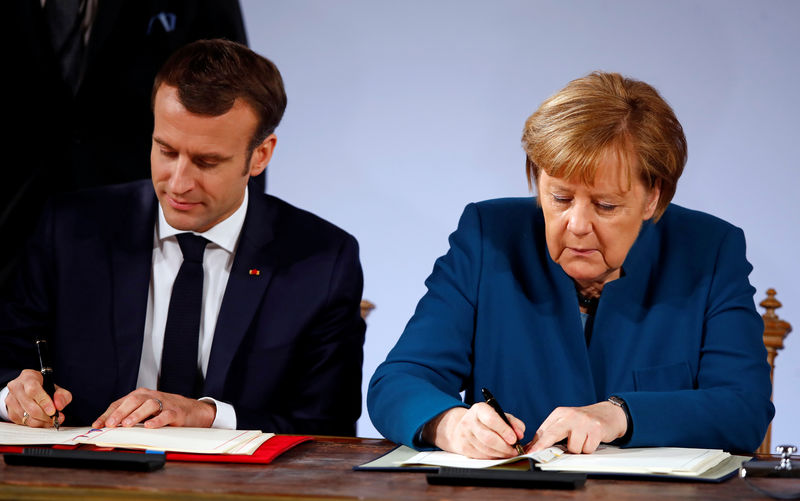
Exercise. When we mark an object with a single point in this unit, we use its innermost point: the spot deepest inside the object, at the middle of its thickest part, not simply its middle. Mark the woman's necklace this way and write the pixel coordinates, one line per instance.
(590, 303)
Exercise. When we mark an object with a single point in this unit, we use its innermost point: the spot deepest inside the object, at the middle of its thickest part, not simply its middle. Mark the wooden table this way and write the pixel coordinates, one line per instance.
(322, 469)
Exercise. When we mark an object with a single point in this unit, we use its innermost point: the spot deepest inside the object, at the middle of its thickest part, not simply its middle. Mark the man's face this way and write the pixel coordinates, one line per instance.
(199, 164)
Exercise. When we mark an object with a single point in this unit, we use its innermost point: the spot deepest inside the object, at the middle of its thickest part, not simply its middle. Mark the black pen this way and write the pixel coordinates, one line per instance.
(487, 395)
(47, 375)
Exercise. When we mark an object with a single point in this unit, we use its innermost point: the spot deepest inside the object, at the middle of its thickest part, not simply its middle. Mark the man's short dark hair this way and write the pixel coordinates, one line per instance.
(211, 74)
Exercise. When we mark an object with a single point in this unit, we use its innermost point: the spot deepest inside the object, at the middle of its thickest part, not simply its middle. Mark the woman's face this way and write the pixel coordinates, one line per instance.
(590, 229)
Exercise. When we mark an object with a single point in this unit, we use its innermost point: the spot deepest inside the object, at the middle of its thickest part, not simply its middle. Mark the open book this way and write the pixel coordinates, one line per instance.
(170, 439)
(607, 459)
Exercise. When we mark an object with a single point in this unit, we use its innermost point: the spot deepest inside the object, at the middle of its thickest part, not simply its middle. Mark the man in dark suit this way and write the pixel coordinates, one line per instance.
(278, 343)
(90, 127)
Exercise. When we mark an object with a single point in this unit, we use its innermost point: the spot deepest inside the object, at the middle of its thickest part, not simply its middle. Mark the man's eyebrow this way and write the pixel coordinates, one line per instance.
(161, 142)
(213, 157)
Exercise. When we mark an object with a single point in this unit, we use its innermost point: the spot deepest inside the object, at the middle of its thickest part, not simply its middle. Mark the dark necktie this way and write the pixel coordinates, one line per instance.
(65, 20)
(179, 371)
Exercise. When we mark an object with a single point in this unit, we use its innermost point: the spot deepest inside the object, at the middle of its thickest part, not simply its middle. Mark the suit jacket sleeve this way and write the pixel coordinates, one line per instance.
(323, 391)
(425, 371)
(730, 406)
(28, 314)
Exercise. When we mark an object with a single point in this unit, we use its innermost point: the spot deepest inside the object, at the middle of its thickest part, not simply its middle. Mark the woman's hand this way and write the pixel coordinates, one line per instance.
(477, 432)
(583, 427)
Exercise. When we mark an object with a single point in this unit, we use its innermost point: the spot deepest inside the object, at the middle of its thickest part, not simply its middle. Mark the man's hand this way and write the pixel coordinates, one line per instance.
(157, 409)
(477, 432)
(28, 404)
(583, 427)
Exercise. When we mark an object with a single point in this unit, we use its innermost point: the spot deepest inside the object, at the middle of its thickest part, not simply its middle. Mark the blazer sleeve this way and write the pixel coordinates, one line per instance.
(325, 395)
(730, 405)
(428, 367)
(28, 313)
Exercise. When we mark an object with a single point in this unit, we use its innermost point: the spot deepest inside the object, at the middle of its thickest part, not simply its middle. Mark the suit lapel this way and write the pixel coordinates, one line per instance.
(257, 251)
(131, 258)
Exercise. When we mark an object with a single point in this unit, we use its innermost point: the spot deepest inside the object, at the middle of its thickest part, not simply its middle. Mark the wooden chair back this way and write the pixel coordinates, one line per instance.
(366, 307)
(775, 330)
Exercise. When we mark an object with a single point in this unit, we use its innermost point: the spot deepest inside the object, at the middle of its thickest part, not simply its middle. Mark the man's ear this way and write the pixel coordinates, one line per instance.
(262, 155)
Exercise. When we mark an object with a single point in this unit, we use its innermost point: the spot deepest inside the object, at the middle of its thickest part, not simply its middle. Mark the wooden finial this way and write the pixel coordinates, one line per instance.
(775, 329)
(770, 304)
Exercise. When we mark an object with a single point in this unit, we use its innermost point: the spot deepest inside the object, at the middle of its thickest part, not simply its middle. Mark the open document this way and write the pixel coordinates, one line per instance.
(170, 439)
(644, 460)
(674, 461)
(453, 460)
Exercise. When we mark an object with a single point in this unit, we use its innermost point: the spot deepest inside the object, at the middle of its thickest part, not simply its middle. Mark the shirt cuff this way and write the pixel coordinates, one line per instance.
(226, 415)
(3, 408)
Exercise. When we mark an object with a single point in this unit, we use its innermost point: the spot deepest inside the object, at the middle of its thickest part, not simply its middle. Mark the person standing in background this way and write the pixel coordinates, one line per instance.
(79, 74)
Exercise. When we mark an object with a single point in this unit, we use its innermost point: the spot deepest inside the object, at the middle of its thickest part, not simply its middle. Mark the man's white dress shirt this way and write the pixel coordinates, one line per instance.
(167, 259)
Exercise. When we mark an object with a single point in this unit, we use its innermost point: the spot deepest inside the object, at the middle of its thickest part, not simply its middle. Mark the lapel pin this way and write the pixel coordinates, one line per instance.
(255, 272)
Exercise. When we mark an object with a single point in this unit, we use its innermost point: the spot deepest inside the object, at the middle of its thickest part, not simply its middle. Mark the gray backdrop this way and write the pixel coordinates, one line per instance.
(400, 113)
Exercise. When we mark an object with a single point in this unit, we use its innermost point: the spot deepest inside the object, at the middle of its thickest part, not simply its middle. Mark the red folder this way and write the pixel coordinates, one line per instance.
(268, 451)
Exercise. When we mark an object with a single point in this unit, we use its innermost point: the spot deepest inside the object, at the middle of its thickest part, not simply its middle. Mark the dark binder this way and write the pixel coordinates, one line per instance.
(99, 460)
(507, 478)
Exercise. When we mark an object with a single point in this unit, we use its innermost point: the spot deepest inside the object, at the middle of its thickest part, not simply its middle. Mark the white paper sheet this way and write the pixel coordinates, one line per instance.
(173, 439)
(606, 459)
(441, 458)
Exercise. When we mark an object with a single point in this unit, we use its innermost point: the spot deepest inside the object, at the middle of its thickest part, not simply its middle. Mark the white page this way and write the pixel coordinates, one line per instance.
(442, 458)
(175, 439)
(609, 459)
(14, 434)
(250, 447)
(606, 459)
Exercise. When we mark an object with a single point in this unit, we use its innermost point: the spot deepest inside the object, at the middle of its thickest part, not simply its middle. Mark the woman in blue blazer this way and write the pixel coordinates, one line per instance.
(597, 312)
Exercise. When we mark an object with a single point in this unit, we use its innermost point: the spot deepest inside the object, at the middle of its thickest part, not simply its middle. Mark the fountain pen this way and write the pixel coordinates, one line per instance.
(487, 395)
(47, 375)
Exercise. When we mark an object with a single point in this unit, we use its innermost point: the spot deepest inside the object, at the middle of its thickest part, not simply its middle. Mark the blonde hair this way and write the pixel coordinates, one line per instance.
(605, 113)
